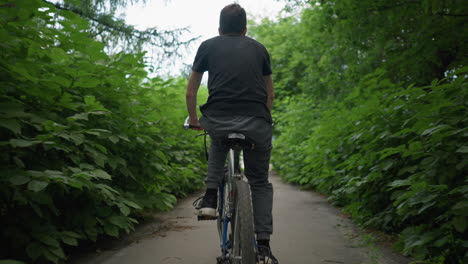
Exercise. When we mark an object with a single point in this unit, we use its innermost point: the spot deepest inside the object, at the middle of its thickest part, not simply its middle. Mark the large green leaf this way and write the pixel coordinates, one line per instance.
(58, 55)
(70, 241)
(132, 204)
(460, 223)
(70, 234)
(463, 149)
(19, 179)
(435, 129)
(35, 250)
(91, 103)
(462, 205)
(57, 251)
(101, 174)
(21, 143)
(124, 210)
(119, 221)
(111, 230)
(48, 240)
(10, 261)
(11, 124)
(36, 185)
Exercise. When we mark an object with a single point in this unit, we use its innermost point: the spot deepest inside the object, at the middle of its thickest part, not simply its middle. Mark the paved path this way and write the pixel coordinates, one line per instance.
(307, 231)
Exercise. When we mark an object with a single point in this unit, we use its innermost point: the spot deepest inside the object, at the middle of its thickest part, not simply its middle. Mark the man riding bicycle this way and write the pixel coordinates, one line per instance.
(240, 100)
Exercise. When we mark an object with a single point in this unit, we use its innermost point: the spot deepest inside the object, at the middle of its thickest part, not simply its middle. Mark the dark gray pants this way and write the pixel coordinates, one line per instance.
(256, 167)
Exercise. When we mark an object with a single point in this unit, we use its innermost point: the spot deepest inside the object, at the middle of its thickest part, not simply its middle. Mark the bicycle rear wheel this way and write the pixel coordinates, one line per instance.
(243, 233)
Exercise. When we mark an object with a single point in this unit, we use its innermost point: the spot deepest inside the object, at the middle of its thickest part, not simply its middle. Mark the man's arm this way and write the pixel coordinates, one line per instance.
(270, 91)
(191, 96)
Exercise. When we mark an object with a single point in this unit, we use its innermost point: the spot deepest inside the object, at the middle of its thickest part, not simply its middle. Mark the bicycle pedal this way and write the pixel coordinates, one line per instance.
(205, 217)
(222, 260)
(206, 214)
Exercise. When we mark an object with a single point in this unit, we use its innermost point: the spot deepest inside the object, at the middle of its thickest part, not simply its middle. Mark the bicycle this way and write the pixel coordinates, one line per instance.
(234, 213)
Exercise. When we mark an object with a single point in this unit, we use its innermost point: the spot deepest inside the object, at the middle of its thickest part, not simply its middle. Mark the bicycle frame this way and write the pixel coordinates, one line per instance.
(226, 205)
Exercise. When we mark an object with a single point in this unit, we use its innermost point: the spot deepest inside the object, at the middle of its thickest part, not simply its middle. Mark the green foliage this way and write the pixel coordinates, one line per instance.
(372, 112)
(393, 157)
(87, 140)
(324, 51)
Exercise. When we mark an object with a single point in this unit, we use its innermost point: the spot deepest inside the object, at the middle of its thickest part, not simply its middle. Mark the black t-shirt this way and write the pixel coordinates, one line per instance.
(236, 66)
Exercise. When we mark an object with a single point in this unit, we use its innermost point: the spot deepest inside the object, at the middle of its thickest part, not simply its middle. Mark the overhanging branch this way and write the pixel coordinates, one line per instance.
(106, 22)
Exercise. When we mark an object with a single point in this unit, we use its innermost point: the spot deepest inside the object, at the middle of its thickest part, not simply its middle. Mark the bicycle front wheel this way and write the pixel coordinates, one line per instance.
(243, 233)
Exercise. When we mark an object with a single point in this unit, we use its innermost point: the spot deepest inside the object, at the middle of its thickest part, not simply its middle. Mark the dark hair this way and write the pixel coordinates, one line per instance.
(232, 19)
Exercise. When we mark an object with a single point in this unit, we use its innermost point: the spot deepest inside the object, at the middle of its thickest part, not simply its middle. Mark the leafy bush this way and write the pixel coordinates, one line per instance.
(87, 140)
(395, 158)
(372, 112)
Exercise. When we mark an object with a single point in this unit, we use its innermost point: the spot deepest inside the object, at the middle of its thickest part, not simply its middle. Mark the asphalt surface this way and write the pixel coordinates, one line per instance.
(307, 230)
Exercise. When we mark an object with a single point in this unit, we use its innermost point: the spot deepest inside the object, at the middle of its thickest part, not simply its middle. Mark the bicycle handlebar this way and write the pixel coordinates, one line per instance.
(187, 125)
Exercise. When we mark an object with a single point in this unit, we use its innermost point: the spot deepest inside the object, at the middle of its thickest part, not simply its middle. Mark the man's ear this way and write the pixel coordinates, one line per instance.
(220, 32)
(244, 32)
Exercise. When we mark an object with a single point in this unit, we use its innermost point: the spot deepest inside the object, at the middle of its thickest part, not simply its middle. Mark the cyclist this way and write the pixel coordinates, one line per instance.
(240, 100)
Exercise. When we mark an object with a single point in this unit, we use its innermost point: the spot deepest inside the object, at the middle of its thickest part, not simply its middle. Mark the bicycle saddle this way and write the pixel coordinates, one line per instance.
(237, 141)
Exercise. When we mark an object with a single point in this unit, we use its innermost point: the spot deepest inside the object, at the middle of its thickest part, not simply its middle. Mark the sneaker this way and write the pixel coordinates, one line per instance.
(264, 256)
(206, 206)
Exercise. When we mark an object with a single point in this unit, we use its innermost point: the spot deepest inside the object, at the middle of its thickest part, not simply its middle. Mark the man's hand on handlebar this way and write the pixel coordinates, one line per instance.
(192, 125)
(196, 126)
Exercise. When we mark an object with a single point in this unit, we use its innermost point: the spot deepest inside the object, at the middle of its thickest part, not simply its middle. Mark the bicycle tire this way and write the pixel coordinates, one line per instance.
(243, 233)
